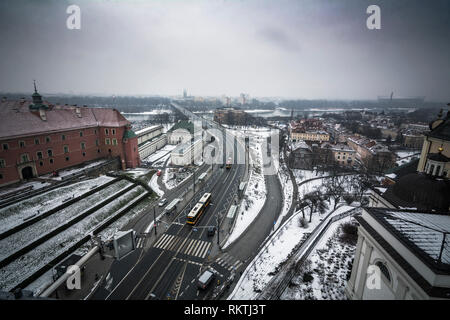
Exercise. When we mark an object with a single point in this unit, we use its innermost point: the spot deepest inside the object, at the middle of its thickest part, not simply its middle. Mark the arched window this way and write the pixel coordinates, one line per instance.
(384, 270)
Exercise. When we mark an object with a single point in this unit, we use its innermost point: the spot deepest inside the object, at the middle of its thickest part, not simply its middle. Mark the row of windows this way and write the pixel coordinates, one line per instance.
(37, 141)
(25, 158)
(113, 131)
(108, 141)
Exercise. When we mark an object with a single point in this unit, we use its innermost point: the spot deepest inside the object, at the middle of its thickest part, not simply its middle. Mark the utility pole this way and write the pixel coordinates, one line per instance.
(154, 218)
(218, 231)
(193, 175)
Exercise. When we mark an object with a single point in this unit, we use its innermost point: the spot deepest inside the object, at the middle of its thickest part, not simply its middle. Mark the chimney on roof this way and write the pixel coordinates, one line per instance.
(78, 111)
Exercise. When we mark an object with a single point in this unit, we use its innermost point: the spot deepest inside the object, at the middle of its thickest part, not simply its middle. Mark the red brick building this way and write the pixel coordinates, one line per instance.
(37, 137)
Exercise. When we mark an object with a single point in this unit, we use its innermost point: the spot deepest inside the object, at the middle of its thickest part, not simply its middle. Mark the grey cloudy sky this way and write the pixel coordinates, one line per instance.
(312, 49)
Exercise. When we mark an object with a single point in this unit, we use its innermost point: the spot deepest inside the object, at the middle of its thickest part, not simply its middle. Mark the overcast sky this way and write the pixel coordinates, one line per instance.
(311, 49)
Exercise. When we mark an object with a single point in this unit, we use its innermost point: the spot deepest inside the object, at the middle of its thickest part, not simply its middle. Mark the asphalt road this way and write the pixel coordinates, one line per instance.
(170, 267)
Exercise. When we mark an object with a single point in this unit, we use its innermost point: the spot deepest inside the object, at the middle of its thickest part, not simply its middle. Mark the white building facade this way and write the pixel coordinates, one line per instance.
(187, 153)
(400, 255)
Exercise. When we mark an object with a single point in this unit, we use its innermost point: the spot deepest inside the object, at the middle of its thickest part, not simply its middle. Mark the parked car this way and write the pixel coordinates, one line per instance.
(205, 279)
(158, 173)
(162, 202)
(211, 231)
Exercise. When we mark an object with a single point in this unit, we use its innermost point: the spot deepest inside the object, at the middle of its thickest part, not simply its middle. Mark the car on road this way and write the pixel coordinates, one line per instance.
(205, 279)
(162, 202)
(158, 173)
(211, 231)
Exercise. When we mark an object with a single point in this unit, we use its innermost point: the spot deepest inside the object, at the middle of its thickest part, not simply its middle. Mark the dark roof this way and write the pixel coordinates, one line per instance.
(420, 191)
(187, 125)
(438, 157)
(438, 292)
(442, 131)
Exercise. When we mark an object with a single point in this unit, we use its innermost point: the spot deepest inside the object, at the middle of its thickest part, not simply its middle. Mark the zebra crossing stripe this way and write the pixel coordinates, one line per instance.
(177, 243)
(166, 242)
(199, 248)
(174, 243)
(203, 250)
(194, 244)
(206, 250)
(187, 247)
(158, 243)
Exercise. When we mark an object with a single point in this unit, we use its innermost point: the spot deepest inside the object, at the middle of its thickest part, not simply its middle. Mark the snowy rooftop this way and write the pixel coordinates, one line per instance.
(425, 234)
(148, 129)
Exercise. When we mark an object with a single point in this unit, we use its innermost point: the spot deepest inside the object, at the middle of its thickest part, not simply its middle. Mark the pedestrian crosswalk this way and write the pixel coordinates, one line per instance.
(229, 262)
(190, 247)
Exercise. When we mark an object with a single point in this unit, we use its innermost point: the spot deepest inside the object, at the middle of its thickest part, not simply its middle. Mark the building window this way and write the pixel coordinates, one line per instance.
(95, 131)
(5, 146)
(36, 141)
(113, 131)
(47, 139)
(114, 142)
(339, 157)
(384, 270)
(106, 131)
(84, 154)
(96, 142)
(67, 159)
(81, 133)
(98, 150)
(2, 163)
(22, 144)
(66, 149)
(24, 157)
(39, 154)
(83, 145)
(107, 141)
(51, 161)
(41, 163)
(63, 137)
(1, 176)
(50, 153)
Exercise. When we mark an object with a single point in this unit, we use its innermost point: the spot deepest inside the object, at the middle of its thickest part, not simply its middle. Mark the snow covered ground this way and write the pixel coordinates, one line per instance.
(15, 214)
(163, 152)
(69, 172)
(404, 157)
(255, 193)
(324, 273)
(172, 177)
(155, 186)
(288, 189)
(19, 269)
(266, 264)
(33, 184)
(46, 279)
(20, 239)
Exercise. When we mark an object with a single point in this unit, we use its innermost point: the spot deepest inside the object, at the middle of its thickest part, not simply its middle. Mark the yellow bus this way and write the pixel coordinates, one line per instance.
(197, 211)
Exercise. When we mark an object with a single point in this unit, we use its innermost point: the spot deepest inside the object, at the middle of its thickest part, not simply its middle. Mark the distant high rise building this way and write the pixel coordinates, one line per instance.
(184, 93)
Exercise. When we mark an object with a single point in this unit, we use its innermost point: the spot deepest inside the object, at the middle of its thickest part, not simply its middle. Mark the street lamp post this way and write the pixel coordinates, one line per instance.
(154, 218)
(218, 231)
